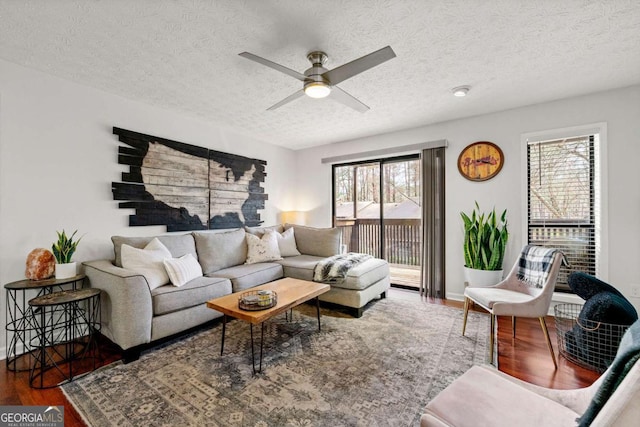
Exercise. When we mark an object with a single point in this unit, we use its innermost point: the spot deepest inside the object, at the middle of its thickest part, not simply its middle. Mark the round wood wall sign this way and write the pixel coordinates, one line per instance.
(480, 161)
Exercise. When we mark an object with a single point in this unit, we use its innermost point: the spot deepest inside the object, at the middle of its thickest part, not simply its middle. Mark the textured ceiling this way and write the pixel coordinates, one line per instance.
(183, 55)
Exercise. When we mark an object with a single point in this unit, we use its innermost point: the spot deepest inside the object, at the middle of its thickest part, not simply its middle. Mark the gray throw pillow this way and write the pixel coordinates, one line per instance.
(259, 231)
(134, 242)
(316, 241)
(218, 250)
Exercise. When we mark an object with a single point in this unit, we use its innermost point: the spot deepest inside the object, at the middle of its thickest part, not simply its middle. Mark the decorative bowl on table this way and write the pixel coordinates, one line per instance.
(258, 300)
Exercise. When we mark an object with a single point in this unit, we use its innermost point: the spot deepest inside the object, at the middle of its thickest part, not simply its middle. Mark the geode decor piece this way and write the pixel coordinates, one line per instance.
(41, 264)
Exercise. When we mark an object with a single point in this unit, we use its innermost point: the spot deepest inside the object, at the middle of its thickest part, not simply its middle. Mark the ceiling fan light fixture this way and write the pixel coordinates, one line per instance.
(317, 90)
(460, 91)
(318, 82)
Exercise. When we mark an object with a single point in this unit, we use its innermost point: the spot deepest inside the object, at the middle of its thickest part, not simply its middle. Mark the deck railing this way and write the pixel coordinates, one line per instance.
(401, 238)
(402, 243)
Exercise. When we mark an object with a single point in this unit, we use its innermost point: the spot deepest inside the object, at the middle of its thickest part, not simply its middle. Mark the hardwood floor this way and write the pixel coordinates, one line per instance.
(15, 388)
(525, 357)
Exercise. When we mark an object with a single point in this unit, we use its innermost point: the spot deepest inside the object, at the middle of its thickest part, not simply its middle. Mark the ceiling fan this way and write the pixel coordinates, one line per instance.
(318, 82)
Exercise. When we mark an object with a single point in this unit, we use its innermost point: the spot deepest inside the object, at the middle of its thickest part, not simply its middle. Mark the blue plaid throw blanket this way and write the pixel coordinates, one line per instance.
(535, 264)
(334, 269)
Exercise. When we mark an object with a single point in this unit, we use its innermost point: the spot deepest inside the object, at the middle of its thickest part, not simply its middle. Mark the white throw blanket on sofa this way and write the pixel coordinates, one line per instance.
(335, 269)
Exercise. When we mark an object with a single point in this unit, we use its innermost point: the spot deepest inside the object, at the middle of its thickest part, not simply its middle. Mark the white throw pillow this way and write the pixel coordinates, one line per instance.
(183, 269)
(148, 262)
(262, 249)
(287, 243)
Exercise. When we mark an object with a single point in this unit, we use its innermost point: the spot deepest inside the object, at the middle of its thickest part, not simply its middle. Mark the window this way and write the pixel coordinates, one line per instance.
(563, 198)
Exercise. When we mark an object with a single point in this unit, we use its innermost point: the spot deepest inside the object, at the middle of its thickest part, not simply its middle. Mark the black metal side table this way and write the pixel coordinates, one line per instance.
(66, 323)
(19, 319)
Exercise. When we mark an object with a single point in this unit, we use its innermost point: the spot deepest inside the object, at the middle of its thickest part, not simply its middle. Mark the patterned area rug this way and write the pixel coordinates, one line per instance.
(379, 370)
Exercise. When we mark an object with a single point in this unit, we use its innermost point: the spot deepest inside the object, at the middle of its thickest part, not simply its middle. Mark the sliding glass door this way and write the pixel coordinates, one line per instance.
(377, 206)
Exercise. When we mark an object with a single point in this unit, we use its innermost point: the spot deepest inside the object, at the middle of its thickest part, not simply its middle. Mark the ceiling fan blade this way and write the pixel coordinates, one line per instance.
(357, 66)
(273, 65)
(348, 100)
(288, 99)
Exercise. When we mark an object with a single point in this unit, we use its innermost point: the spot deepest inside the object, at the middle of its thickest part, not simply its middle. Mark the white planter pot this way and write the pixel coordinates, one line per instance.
(64, 271)
(482, 278)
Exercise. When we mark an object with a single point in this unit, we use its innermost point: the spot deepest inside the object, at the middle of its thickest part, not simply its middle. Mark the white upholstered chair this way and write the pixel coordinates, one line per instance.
(484, 396)
(517, 296)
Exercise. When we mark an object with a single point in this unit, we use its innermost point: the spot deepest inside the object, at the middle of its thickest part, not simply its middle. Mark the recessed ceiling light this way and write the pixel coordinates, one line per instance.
(460, 90)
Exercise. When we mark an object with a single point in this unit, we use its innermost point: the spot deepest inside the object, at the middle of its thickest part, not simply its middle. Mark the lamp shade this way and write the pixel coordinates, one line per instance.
(293, 217)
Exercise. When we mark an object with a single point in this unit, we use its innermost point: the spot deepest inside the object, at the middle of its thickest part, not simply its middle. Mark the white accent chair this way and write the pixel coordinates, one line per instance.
(484, 396)
(514, 298)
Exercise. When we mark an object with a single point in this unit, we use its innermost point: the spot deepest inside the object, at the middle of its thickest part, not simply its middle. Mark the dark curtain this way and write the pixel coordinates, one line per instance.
(432, 283)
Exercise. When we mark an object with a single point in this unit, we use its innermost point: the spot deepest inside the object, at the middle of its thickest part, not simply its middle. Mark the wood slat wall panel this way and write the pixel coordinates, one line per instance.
(196, 204)
(216, 194)
(184, 180)
(154, 160)
(185, 186)
(158, 153)
(220, 156)
(221, 210)
(221, 173)
(168, 190)
(123, 191)
(225, 176)
(228, 186)
(131, 151)
(141, 140)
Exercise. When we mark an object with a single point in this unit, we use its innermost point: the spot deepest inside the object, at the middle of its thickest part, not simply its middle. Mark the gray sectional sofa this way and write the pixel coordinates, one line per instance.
(134, 314)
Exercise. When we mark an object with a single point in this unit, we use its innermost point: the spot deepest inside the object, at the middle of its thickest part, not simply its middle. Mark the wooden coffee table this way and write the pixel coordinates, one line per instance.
(291, 292)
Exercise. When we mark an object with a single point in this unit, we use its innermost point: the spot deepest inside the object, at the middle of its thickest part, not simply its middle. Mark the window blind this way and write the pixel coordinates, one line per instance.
(562, 201)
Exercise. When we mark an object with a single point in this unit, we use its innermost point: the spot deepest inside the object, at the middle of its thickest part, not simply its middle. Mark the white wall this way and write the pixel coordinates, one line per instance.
(620, 109)
(58, 157)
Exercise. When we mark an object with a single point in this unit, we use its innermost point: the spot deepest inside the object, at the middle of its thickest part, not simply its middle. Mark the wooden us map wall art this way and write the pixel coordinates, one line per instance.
(187, 187)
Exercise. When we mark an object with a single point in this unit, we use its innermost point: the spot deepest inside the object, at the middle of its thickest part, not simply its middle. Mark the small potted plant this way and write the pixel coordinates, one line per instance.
(485, 240)
(63, 250)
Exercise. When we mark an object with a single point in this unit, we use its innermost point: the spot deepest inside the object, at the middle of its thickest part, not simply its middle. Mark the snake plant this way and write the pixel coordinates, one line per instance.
(485, 239)
(64, 248)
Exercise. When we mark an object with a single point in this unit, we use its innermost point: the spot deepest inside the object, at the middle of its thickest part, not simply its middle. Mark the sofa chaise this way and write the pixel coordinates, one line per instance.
(135, 313)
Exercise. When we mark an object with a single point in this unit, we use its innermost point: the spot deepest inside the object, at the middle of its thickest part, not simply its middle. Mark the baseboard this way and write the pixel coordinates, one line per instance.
(3, 351)
(455, 297)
